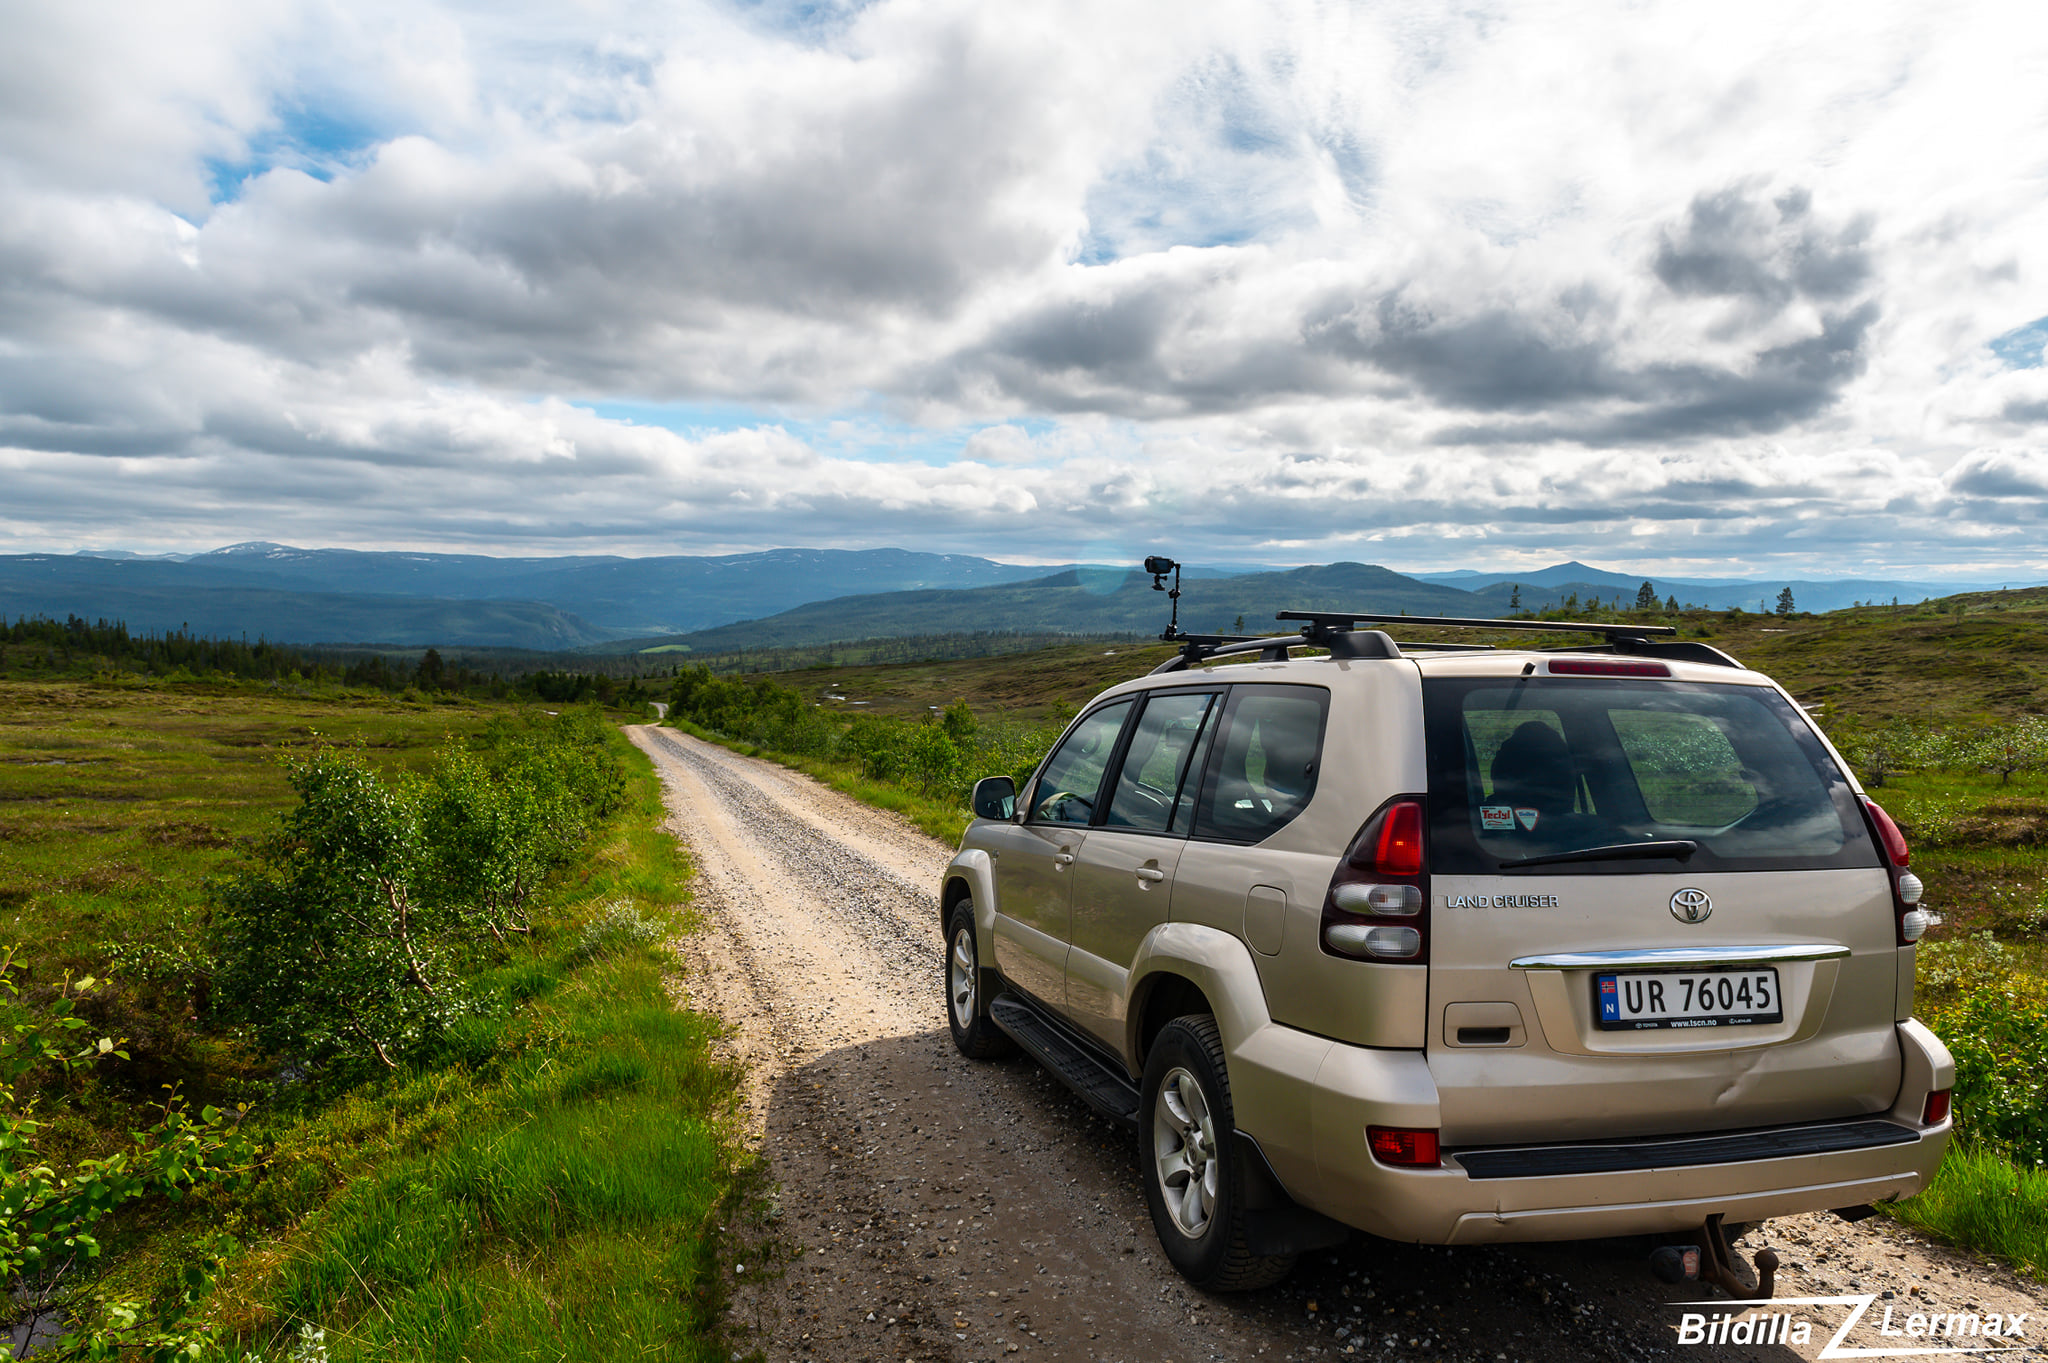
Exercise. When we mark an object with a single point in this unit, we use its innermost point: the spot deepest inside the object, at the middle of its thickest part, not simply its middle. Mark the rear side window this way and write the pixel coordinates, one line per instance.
(1534, 766)
(1157, 764)
(1264, 767)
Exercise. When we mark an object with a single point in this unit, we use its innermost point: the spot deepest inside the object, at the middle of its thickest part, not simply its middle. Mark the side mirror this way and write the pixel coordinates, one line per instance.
(995, 797)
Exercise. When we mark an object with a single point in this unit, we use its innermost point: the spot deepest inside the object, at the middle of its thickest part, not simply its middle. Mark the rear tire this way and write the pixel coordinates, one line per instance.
(974, 1032)
(1194, 1181)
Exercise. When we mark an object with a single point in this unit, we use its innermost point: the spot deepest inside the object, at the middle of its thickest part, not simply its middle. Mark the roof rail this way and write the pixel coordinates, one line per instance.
(1338, 632)
(1325, 626)
(1336, 621)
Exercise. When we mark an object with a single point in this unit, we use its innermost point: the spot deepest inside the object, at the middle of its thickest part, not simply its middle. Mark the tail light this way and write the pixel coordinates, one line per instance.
(1377, 908)
(1411, 1149)
(1913, 920)
(1936, 1111)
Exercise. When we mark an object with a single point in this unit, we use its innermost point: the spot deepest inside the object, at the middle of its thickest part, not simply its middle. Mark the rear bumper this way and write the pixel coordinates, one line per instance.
(1636, 1202)
(1570, 1192)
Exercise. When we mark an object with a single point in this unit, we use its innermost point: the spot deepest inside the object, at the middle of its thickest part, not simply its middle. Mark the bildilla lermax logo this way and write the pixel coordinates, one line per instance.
(1918, 1334)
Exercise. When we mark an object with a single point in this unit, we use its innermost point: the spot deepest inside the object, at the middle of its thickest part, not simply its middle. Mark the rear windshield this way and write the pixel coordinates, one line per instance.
(1535, 766)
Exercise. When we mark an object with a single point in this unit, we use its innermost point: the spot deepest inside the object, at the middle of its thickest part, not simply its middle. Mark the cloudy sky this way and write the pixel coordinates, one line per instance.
(1660, 285)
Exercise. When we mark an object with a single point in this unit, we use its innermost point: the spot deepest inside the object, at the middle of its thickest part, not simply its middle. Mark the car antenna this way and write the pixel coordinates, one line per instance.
(1159, 566)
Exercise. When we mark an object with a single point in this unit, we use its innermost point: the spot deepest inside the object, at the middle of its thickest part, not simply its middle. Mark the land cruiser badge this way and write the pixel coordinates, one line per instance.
(1691, 906)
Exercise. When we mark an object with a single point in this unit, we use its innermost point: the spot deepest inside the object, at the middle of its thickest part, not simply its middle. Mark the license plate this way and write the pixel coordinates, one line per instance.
(1704, 998)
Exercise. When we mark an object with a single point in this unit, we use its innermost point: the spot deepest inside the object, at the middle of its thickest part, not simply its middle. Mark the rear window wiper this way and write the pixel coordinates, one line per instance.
(1674, 849)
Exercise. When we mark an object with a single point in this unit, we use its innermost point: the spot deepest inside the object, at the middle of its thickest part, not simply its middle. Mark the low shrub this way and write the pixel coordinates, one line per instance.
(354, 929)
(1994, 1020)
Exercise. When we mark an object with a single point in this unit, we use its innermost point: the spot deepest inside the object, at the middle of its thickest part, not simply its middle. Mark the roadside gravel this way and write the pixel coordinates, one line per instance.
(929, 1207)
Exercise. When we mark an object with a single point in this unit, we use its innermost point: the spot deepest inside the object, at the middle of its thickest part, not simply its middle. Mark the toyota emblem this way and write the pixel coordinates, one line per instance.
(1691, 906)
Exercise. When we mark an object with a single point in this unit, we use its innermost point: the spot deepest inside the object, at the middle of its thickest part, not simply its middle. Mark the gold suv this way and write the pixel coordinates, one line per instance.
(1455, 945)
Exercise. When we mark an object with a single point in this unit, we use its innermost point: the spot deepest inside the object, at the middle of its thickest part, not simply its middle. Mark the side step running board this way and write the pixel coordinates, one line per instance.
(1072, 1061)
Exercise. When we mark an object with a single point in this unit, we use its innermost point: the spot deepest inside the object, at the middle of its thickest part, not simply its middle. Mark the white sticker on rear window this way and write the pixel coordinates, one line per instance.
(1496, 816)
(1527, 816)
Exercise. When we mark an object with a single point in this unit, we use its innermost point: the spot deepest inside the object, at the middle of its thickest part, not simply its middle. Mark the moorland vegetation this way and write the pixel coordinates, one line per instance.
(336, 1027)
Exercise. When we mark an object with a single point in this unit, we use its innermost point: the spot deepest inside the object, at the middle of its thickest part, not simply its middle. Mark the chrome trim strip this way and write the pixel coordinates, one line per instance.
(1681, 957)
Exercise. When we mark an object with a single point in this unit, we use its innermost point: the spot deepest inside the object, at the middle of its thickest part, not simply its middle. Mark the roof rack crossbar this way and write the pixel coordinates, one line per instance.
(1340, 620)
(1200, 648)
(1196, 648)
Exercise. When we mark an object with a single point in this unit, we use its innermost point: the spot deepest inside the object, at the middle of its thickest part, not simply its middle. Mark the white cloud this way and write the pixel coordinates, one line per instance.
(1237, 275)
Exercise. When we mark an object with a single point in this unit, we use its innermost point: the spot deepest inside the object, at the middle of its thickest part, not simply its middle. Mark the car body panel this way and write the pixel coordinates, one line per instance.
(1034, 884)
(1123, 883)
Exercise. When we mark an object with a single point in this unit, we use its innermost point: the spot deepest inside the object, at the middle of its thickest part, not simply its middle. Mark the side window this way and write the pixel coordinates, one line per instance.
(1156, 763)
(1072, 779)
(1265, 770)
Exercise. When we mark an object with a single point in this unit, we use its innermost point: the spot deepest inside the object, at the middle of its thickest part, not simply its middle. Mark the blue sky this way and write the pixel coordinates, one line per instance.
(1706, 293)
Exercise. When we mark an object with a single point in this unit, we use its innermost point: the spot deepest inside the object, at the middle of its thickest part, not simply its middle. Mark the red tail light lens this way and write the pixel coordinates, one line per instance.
(1377, 908)
(1937, 1108)
(1410, 1149)
(1398, 852)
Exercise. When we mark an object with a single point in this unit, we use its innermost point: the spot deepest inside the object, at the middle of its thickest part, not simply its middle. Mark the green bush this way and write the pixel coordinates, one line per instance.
(1995, 1022)
(324, 947)
(352, 932)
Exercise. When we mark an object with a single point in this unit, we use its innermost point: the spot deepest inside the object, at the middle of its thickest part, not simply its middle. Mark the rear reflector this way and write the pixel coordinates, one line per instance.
(1574, 667)
(1398, 1145)
(1937, 1108)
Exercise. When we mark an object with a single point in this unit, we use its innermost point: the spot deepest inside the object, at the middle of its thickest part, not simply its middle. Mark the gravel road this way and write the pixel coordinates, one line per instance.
(930, 1207)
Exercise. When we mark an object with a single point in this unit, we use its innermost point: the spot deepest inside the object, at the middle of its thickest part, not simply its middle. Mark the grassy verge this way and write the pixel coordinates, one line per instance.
(556, 1192)
(550, 1181)
(941, 819)
(1982, 1199)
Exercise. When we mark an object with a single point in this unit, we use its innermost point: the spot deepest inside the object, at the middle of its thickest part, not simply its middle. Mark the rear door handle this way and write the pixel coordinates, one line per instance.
(1063, 858)
(1147, 873)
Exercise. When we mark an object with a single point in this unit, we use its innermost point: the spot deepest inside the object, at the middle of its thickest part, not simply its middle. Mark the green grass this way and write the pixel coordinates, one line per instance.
(551, 1183)
(1984, 1200)
(1021, 685)
(559, 1196)
(566, 1208)
(118, 799)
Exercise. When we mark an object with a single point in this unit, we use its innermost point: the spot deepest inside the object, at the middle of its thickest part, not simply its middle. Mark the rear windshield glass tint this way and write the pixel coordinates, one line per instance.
(1530, 767)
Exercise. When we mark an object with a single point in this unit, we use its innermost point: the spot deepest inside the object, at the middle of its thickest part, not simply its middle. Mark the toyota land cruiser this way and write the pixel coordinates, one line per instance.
(1455, 945)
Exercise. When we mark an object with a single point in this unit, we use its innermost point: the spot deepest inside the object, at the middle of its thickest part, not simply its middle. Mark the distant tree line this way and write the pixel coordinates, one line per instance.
(907, 648)
(40, 646)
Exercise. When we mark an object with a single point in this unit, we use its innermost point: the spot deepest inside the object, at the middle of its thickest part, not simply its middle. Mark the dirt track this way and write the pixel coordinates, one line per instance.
(943, 1209)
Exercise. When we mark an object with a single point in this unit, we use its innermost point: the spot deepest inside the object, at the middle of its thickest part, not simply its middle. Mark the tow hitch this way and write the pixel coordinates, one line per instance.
(1713, 1261)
